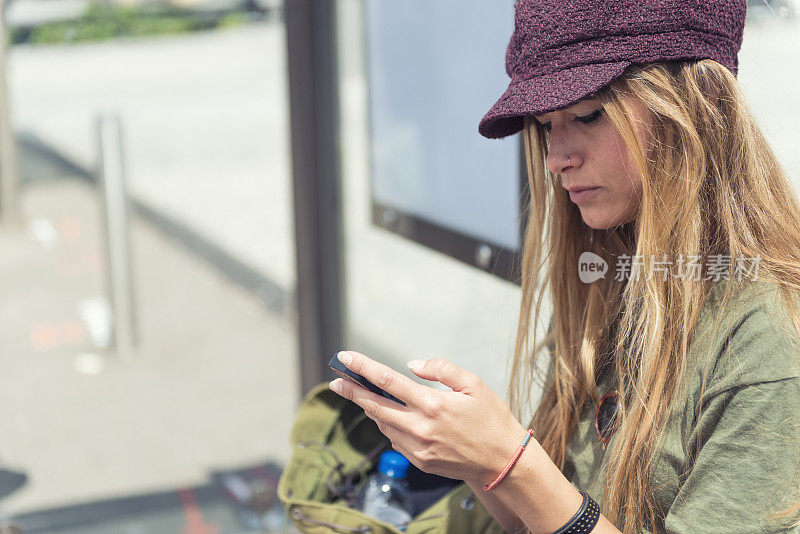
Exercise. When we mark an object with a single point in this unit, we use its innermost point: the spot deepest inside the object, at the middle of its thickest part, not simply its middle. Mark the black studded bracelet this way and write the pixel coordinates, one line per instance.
(584, 519)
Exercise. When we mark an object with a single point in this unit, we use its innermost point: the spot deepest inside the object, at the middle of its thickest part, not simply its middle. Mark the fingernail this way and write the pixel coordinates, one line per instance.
(336, 385)
(415, 365)
(345, 357)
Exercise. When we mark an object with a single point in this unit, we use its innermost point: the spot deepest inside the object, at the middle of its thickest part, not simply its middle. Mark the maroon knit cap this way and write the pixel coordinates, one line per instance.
(564, 50)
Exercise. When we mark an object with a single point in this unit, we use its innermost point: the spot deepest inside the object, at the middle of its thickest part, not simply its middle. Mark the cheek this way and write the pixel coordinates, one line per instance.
(623, 177)
(626, 166)
(622, 170)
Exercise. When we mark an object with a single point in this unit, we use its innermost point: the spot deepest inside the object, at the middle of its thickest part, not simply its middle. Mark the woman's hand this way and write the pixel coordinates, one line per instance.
(465, 434)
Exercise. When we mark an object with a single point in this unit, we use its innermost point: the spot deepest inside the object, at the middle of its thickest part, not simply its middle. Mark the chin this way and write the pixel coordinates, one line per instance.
(602, 222)
(597, 223)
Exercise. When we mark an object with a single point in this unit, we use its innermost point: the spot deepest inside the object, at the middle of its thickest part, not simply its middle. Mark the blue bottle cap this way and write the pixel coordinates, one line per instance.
(393, 464)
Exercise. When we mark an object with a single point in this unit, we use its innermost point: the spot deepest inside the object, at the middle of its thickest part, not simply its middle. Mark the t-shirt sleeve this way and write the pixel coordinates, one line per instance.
(743, 451)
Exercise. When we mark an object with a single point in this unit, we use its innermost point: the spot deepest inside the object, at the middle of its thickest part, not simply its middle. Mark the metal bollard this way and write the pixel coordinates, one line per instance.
(115, 203)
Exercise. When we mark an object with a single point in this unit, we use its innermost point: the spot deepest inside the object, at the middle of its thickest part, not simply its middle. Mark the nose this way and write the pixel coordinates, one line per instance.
(562, 155)
(560, 163)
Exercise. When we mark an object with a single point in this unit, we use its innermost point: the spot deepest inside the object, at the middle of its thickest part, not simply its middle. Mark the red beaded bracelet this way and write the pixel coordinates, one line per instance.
(528, 436)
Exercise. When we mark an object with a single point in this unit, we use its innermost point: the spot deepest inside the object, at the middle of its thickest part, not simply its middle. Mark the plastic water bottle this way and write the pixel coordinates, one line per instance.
(385, 495)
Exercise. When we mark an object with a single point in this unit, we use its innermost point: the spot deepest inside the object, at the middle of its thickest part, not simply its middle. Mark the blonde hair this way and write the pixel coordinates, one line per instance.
(711, 184)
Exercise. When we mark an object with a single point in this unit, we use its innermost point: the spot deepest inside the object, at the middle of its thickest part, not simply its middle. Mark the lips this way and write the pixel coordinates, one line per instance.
(582, 195)
(576, 188)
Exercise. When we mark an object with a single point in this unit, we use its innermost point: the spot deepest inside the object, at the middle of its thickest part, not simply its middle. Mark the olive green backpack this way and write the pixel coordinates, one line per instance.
(335, 449)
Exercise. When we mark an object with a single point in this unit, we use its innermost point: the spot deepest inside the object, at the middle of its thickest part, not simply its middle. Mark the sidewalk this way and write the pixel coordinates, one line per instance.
(212, 389)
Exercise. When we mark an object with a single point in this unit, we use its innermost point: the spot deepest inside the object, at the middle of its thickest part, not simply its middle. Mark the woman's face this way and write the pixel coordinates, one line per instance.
(587, 152)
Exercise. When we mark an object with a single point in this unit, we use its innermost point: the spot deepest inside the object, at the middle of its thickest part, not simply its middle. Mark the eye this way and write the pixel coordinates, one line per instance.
(586, 119)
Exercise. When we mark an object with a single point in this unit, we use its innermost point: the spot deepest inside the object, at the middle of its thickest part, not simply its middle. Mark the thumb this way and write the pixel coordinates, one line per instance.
(443, 371)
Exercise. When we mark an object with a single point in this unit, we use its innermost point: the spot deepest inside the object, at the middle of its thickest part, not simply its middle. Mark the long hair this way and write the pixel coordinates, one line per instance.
(711, 184)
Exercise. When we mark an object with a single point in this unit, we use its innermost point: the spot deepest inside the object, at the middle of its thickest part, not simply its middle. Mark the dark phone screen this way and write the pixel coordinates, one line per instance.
(340, 369)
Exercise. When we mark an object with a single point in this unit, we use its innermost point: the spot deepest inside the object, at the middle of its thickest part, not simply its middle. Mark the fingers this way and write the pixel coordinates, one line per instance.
(382, 376)
(394, 435)
(400, 441)
(376, 407)
(445, 372)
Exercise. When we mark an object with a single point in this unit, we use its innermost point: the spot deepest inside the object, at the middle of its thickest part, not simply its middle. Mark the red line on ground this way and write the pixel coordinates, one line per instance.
(193, 515)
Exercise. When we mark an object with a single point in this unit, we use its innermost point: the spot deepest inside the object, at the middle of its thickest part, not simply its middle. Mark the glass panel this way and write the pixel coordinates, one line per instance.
(434, 69)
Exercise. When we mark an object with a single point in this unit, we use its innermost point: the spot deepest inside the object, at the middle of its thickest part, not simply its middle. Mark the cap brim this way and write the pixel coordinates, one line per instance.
(546, 93)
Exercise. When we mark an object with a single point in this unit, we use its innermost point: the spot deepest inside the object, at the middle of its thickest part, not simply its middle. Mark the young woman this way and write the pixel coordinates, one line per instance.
(666, 235)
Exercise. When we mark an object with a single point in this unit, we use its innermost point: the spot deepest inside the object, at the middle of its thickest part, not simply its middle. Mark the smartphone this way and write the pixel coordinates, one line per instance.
(340, 369)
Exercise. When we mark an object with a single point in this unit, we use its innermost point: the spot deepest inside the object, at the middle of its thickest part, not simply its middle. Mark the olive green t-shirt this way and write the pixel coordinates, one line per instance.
(723, 469)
